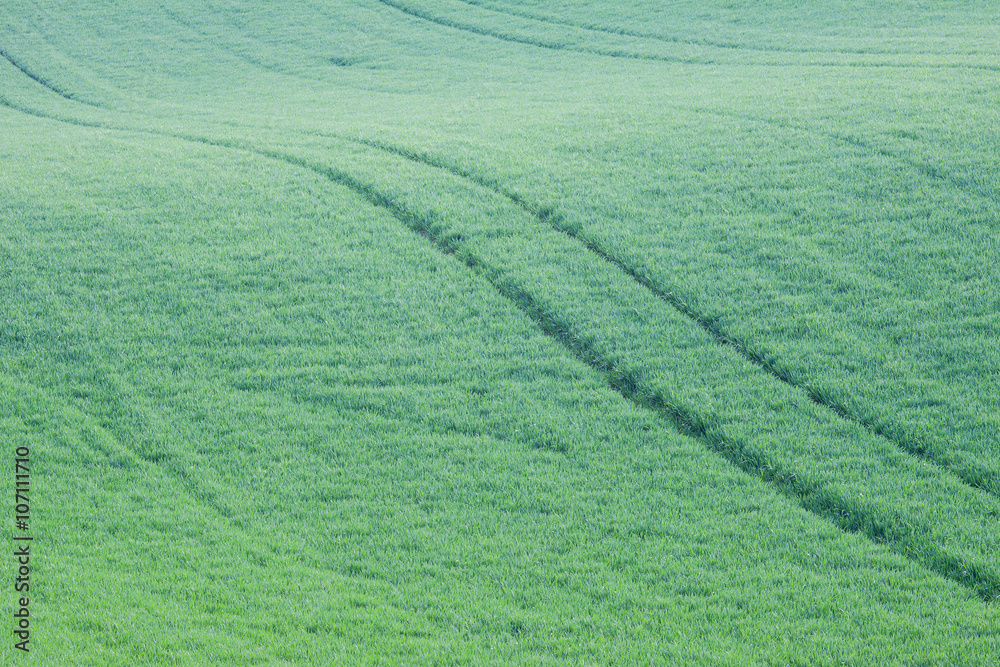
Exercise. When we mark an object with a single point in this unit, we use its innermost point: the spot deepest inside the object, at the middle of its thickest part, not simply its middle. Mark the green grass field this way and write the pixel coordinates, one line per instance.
(493, 332)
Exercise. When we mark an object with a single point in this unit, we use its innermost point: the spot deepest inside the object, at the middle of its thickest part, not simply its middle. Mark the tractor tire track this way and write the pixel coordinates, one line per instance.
(718, 45)
(633, 55)
(42, 81)
(625, 32)
(811, 495)
(898, 533)
(982, 481)
(233, 51)
(28, 111)
(641, 35)
(934, 173)
(118, 440)
(552, 45)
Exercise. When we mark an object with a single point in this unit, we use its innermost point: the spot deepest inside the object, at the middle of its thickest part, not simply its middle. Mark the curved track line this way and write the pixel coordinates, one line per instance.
(717, 45)
(28, 111)
(44, 82)
(895, 532)
(627, 33)
(555, 46)
(239, 55)
(931, 172)
(549, 216)
(632, 55)
(812, 496)
(935, 173)
(118, 446)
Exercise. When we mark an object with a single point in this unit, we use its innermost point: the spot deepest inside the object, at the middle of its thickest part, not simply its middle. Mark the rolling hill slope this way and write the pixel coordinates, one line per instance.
(475, 332)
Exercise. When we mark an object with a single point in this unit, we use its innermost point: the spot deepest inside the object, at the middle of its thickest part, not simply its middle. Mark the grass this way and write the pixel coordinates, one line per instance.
(440, 332)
